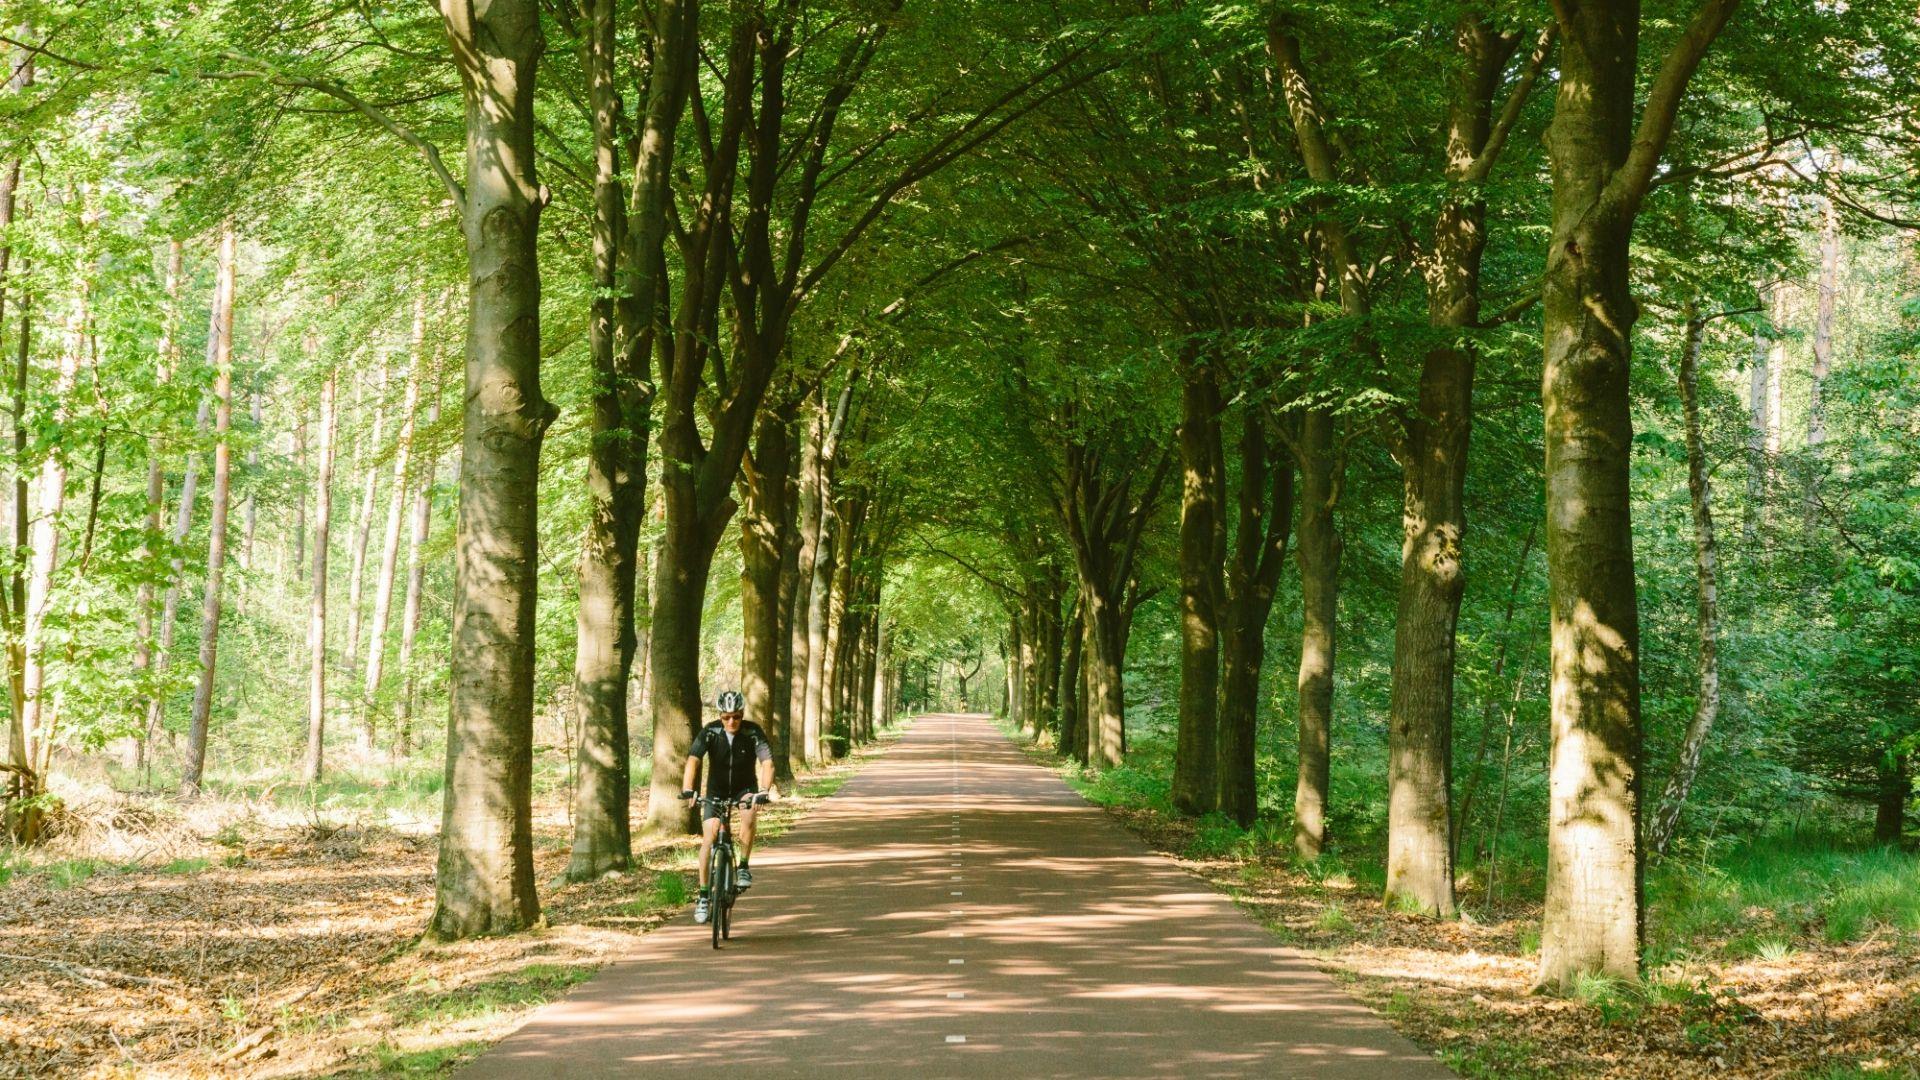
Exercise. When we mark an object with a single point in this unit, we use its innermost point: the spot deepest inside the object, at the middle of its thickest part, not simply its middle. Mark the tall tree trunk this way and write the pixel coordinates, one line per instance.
(877, 676)
(819, 609)
(800, 606)
(1757, 417)
(784, 715)
(1432, 580)
(363, 531)
(1706, 565)
(1072, 720)
(697, 475)
(1829, 285)
(416, 589)
(616, 485)
(1253, 576)
(680, 585)
(166, 359)
(396, 513)
(32, 735)
(1890, 812)
(1202, 553)
(833, 718)
(317, 594)
(300, 496)
(1318, 555)
(250, 513)
(221, 346)
(817, 561)
(1106, 665)
(13, 601)
(763, 486)
(1434, 462)
(170, 606)
(1602, 168)
(484, 882)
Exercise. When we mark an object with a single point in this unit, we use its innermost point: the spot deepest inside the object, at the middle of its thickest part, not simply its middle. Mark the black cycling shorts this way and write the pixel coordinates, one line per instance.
(713, 811)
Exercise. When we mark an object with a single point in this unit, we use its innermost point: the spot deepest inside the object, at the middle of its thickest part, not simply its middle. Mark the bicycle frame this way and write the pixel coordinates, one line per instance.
(720, 872)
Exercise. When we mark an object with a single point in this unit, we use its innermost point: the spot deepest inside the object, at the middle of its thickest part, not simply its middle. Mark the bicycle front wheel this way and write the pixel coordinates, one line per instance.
(720, 880)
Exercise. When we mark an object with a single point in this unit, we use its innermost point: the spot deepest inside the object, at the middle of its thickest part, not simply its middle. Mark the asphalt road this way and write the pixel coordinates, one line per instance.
(955, 911)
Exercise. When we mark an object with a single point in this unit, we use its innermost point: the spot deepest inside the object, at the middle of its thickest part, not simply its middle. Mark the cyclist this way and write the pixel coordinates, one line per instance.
(739, 762)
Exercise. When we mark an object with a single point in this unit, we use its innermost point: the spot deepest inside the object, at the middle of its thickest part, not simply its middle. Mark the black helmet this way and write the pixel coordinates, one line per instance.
(730, 701)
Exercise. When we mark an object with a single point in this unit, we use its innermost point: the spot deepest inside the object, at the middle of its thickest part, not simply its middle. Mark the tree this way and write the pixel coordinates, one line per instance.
(1603, 163)
(484, 883)
(220, 345)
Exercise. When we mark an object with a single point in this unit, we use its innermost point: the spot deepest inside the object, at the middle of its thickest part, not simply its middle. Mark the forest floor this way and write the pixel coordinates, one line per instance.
(1736, 988)
(239, 937)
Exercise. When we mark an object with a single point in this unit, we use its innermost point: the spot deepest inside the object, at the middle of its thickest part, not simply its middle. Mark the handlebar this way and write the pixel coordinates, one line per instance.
(751, 798)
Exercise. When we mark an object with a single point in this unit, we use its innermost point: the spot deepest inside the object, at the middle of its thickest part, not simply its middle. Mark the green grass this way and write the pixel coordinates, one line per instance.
(1758, 897)
(532, 985)
(1845, 1071)
(1490, 1058)
(59, 873)
(1332, 919)
(388, 1060)
(670, 890)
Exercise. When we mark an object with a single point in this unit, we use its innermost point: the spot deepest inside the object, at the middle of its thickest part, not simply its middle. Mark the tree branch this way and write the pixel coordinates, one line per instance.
(393, 127)
(1629, 185)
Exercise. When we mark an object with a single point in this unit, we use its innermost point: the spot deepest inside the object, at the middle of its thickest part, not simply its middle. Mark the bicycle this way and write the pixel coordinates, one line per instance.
(720, 864)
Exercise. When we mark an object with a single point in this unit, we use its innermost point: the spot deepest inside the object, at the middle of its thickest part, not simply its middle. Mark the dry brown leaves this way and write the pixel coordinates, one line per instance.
(1464, 988)
(299, 961)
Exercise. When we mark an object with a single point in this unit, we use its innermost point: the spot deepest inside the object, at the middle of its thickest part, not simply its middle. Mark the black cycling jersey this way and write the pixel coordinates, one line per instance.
(730, 768)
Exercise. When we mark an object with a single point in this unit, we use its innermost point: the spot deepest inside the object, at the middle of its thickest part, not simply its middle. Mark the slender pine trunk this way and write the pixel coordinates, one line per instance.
(317, 594)
(396, 513)
(222, 347)
(1706, 565)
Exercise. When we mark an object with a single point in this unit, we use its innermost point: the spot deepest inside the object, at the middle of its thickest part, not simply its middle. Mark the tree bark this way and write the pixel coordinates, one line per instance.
(1890, 812)
(170, 607)
(1757, 419)
(484, 882)
(764, 511)
(221, 345)
(697, 475)
(1706, 565)
(1253, 575)
(616, 485)
(317, 593)
(1202, 555)
(784, 716)
(300, 496)
(1601, 167)
(363, 532)
(806, 553)
(818, 560)
(1318, 555)
(819, 611)
(396, 513)
(167, 359)
(250, 514)
(416, 589)
(1433, 456)
(1072, 714)
(833, 718)
(1825, 308)
(32, 735)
